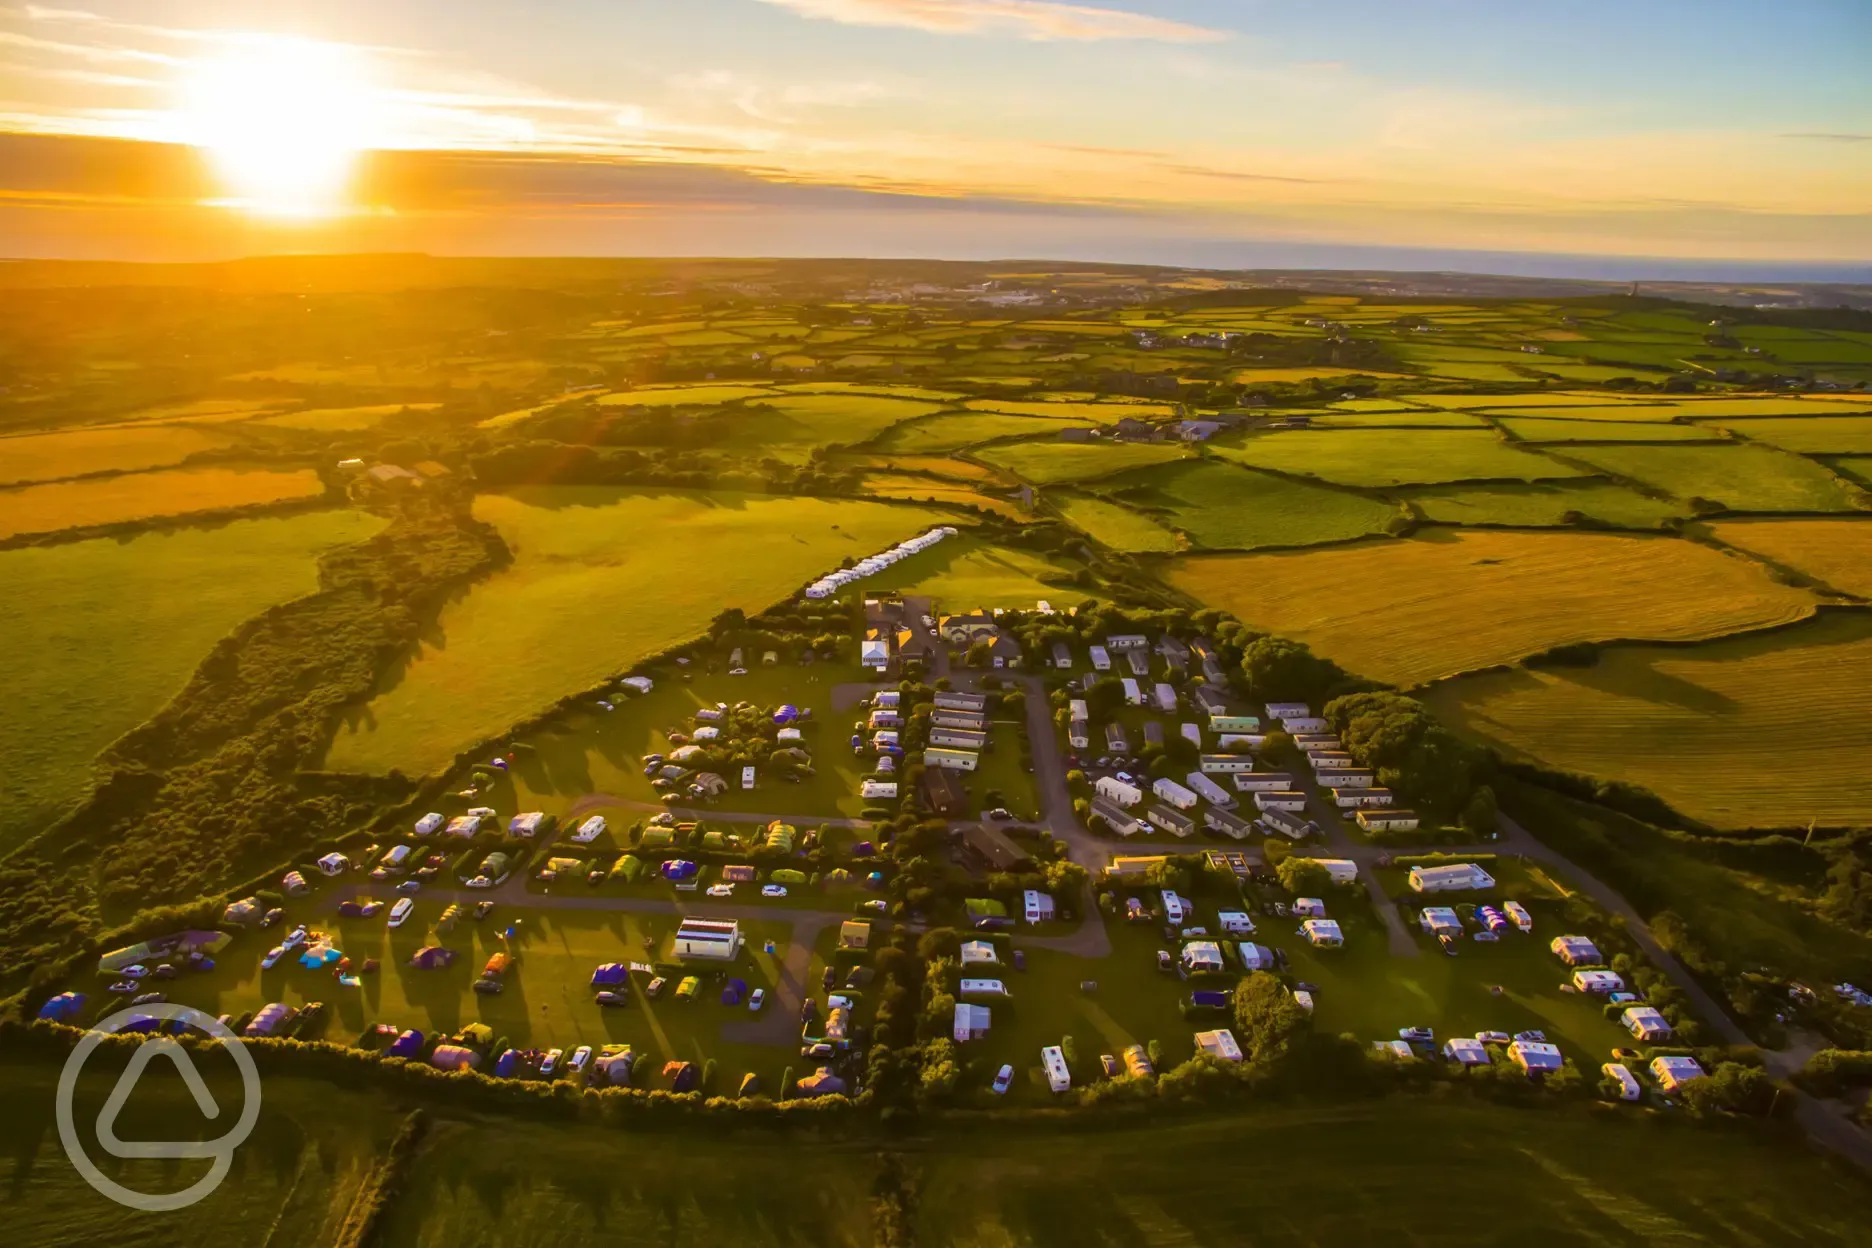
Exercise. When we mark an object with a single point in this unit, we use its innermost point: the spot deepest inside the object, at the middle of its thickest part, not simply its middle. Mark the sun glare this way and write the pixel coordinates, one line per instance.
(282, 121)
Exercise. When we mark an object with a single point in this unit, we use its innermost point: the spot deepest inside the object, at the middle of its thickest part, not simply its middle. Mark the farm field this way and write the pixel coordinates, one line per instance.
(798, 424)
(1459, 600)
(1395, 417)
(1543, 504)
(55, 505)
(117, 627)
(1064, 408)
(130, 448)
(593, 589)
(1741, 478)
(964, 574)
(1222, 507)
(1836, 552)
(1540, 400)
(1561, 429)
(1806, 435)
(1709, 728)
(676, 396)
(342, 419)
(1381, 457)
(924, 490)
(949, 433)
(1053, 463)
(1120, 528)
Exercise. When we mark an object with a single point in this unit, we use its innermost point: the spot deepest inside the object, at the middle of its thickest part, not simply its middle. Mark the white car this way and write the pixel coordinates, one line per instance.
(721, 890)
(272, 957)
(1003, 1080)
(401, 911)
(480, 881)
(758, 999)
(296, 937)
(551, 1064)
(580, 1056)
(773, 890)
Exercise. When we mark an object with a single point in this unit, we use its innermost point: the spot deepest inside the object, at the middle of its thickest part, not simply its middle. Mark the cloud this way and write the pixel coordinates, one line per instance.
(1832, 138)
(1042, 20)
(1202, 171)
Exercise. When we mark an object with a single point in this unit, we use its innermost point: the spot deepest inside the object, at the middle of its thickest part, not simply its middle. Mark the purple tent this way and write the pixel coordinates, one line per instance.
(734, 992)
(431, 958)
(409, 1044)
(610, 975)
(786, 714)
(679, 869)
(507, 1063)
(682, 1075)
(863, 849)
(62, 1007)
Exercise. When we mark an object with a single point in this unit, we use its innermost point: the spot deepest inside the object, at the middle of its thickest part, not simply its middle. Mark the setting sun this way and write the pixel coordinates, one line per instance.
(282, 121)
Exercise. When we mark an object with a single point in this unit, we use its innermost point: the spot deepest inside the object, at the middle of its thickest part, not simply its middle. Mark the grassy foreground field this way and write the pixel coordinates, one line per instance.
(601, 577)
(57, 505)
(116, 627)
(1449, 602)
(1712, 729)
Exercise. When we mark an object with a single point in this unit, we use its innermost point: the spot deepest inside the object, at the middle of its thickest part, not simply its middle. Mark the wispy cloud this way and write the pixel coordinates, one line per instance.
(1025, 19)
(1202, 171)
(1832, 138)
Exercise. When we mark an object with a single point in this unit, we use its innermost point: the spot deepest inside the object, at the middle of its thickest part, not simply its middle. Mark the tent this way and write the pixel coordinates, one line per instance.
(610, 975)
(863, 849)
(242, 912)
(409, 1044)
(506, 1063)
(786, 714)
(319, 956)
(734, 992)
(454, 1057)
(62, 1007)
(432, 958)
(822, 1082)
(682, 1075)
(679, 869)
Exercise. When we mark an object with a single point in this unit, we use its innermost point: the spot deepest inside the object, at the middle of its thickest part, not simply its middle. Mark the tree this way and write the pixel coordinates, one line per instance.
(1732, 1088)
(979, 654)
(1269, 1024)
(1281, 670)
(1481, 815)
(1303, 877)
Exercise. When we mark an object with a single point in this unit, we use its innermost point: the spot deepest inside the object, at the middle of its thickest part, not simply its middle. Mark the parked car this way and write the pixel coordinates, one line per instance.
(293, 939)
(1531, 1037)
(488, 987)
(1001, 814)
(1491, 1037)
(721, 890)
(150, 998)
(820, 1050)
(550, 1065)
(580, 1056)
(1003, 1080)
(655, 987)
(874, 906)
(687, 990)
(607, 997)
(272, 956)
(1020, 959)
(409, 887)
(773, 890)
(482, 910)
(757, 1000)
(1417, 1035)
(1110, 1064)
(400, 912)
(829, 978)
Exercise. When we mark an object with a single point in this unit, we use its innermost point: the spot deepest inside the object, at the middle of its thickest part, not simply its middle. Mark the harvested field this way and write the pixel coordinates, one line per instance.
(58, 505)
(1454, 601)
(1222, 507)
(1380, 457)
(1835, 552)
(127, 448)
(1712, 729)
(1544, 505)
(1117, 527)
(1562, 429)
(924, 490)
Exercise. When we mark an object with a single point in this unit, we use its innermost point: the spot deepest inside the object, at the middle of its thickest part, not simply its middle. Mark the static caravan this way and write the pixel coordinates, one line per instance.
(1175, 822)
(1062, 656)
(1059, 1078)
(958, 738)
(1576, 951)
(1101, 661)
(1115, 739)
(1235, 922)
(972, 721)
(1133, 692)
(1316, 741)
(1127, 641)
(878, 788)
(1598, 981)
(1456, 877)
(983, 988)
(1219, 1044)
(1113, 789)
(1323, 933)
(1174, 793)
(1240, 741)
(1304, 723)
(1139, 662)
(1354, 799)
(1346, 777)
(1646, 1023)
(1227, 822)
(1288, 801)
(954, 760)
(1175, 909)
(1226, 764)
(1385, 820)
(1076, 708)
(1121, 821)
(1166, 697)
(1208, 789)
(1079, 734)
(747, 777)
(1037, 907)
(1288, 710)
(1192, 734)
(1331, 763)
(975, 702)
(1440, 921)
(1153, 734)
(1234, 723)
(1255, 957)
(1263, 782)
(1340, 870)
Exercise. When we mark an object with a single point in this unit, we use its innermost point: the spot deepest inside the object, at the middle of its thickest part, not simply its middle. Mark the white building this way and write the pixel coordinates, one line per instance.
(526, 825)
(1127, 641)
(1112, 789)
(1455, 878)
(1303, 723)
(1101, 660)
(978, 953)
(971, 1022)
(1324, 933)
(1224, 764)
(982, 988)
(1290, 801)
(1359, 799)
(954, 760)
(1263, 781)
(1309, 908)
(878, 788)
(717, 940)
(1383, 819)
(1208, 789)
(1053, 1061)
(1037, 907)
(1345, 777)
(1219, 1043)
(430, 822)
(1134, 694)
(1174, 793)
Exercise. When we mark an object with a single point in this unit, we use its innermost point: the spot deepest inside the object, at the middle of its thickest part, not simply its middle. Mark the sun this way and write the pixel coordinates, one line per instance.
(282, 121)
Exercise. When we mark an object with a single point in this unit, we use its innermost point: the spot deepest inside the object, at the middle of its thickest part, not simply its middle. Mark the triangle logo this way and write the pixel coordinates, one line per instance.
(127, 1082)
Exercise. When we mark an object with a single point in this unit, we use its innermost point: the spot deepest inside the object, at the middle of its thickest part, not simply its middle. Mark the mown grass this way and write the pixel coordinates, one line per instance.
(1807, 435)
(126, 448)
(1564, 429)
(1543, 504)
(962, 574)
(56, 505)
(1116, 526)
(1731, 732)
(106, 631)
(1835, 552)
(1381, 457)
(1223, 507)
(1451, 601)
(601, 577)
(1048, 463)
(950, 433)
(1741, 478)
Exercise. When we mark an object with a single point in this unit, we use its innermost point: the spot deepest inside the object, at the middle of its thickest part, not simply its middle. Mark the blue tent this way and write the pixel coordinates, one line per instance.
(506, 1064)
(863, 849)
(786, 714)
(610, 975)
(63, 1006)
(734, 992)
(875, 880)
(320, 956)
(679, 869)
(409, 1044)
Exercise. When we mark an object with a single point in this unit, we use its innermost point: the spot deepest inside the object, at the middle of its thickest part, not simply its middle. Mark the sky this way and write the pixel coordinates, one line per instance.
(1646, 135)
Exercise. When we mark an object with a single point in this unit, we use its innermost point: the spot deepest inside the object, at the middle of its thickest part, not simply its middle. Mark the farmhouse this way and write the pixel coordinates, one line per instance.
(1289, 801)
(954, 760)
(716, 939)
(993, 849)
(966, 630)
(1646, 1023)
(1120, 820)
(1219, 1044)
(1174, 793)
(1174, 822)
(1234, 723)
(1115, 739)
(1227, 822)
(1457, 877)
(1576, 951)
(1209, 790)
(1374, 819)
(1062, 656)
(1117, 791)
(1263, 782)
(1324, 933)
(971, 1022)
(1673, 1072)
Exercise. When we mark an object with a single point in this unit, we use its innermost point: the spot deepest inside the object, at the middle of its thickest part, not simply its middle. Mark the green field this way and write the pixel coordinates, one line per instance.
(343, 419)
(1453, 601)
(1562, 429)
(1709, 728)
(1543, 504)
(799, 424)
(1380, 457)
(1222, 507)
(127, 448)
(1741, 478)
(674, 396)
(116, 627)
(601, 578)
(1053, 463)
(1069, 409)
(1120, 528)
(1807, 435)
(949, 433)
(1393, 417)
(56, 505)
(962, 575)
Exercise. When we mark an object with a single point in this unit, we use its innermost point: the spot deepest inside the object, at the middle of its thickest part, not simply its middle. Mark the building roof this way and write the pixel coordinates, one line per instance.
(995, 848)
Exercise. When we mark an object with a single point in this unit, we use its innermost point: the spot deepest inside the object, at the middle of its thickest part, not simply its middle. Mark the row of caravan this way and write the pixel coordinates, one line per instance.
(830, 584)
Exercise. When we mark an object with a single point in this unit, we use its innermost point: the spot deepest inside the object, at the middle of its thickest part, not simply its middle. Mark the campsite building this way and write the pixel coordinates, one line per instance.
(1166, 697)
(993, 849)
(1378, 819)
(1262, 781)
(1117, 791)
(1227, 822)
(976, 702)
(958, 738)
(1175, 822)
(954, 760)
(715, 939)
(1174, 793)
(1121, 821)
(1455, 878)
